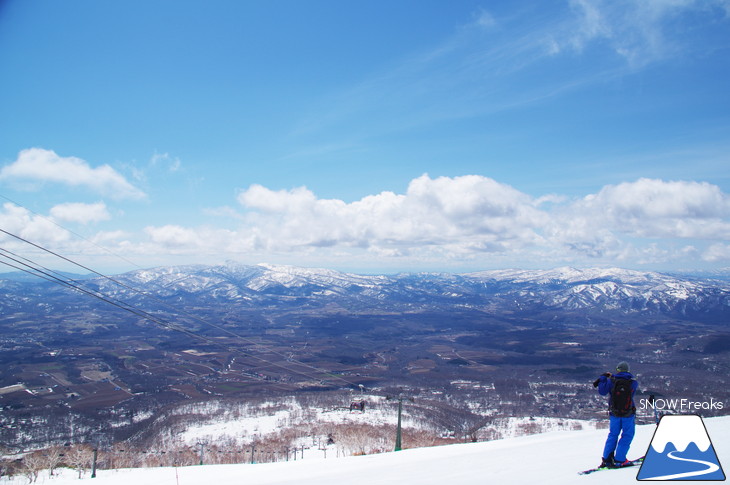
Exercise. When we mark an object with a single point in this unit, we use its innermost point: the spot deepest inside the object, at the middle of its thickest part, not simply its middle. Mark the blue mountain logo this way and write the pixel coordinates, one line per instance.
(681, 450)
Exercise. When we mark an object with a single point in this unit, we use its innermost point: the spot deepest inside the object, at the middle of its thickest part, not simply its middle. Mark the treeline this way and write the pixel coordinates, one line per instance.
(85, 459)
(31, 465)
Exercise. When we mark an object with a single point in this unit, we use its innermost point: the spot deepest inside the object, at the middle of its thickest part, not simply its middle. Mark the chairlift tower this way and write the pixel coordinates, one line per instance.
(398, 429)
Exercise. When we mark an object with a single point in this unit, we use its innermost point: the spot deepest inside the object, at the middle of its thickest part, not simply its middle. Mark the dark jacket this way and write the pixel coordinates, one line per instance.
(605, 386)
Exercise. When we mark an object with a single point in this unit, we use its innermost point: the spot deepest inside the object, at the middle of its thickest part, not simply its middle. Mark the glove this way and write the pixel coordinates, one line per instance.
(605, 374)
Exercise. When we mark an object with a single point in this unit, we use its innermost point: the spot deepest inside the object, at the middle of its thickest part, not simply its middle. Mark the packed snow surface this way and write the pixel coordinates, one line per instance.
(550, 458)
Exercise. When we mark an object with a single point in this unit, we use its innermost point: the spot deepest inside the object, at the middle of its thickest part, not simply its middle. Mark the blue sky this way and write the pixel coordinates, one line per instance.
(368, 136)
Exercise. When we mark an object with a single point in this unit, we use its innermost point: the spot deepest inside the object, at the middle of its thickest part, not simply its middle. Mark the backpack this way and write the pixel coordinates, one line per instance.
(621, 404)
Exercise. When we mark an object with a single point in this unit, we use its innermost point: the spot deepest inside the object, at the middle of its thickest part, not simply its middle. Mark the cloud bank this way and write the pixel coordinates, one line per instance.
(446, 222)
(471, 220)
(462, 214)
(468, 215)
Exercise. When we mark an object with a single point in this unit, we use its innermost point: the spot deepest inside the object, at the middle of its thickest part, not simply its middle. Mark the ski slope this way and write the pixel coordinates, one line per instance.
(550, 458)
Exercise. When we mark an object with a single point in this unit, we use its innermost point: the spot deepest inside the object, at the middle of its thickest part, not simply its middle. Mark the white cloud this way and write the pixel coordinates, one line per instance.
(634, 220)
(718, 252)
(21, 222)
(658, 209)
(172, 164)
(40, 165)
(437, 222)
(448, 220)
(641, 31)
(260, 198)
(468, 213)
(110, 237)
(173, 236)
(484, 19)
(591, 24)
(81, 213)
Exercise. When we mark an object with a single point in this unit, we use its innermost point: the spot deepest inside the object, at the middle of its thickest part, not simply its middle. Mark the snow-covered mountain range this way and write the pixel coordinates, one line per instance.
(562, 289)
(601, 290)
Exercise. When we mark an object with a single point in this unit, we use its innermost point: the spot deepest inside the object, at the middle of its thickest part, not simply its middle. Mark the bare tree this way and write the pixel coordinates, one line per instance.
(80, 457)
(32, 465)
(53, 459)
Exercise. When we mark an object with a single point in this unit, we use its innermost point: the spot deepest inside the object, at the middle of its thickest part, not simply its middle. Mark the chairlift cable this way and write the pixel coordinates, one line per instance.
(183, 311)
(143, 314)
(48, 276)
(48, 219)
(148, 295)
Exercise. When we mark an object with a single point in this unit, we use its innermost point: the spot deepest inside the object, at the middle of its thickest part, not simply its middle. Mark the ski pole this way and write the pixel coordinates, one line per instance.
(652, 399)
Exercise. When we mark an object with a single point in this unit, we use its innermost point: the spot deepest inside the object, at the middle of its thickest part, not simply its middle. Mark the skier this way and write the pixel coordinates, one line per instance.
(620, 388)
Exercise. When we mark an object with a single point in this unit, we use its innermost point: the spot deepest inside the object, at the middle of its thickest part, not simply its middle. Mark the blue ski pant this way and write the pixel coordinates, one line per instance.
(620, 434)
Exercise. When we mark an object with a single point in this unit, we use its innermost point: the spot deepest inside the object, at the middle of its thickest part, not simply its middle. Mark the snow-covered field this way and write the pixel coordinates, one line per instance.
(269, 418)
(242, 424)
(549, 458)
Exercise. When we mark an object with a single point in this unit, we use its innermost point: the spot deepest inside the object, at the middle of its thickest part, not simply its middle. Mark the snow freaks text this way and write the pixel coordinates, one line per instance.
(681, 405)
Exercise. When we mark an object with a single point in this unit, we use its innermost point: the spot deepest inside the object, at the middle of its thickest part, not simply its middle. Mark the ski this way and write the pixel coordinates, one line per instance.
(638, 461)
